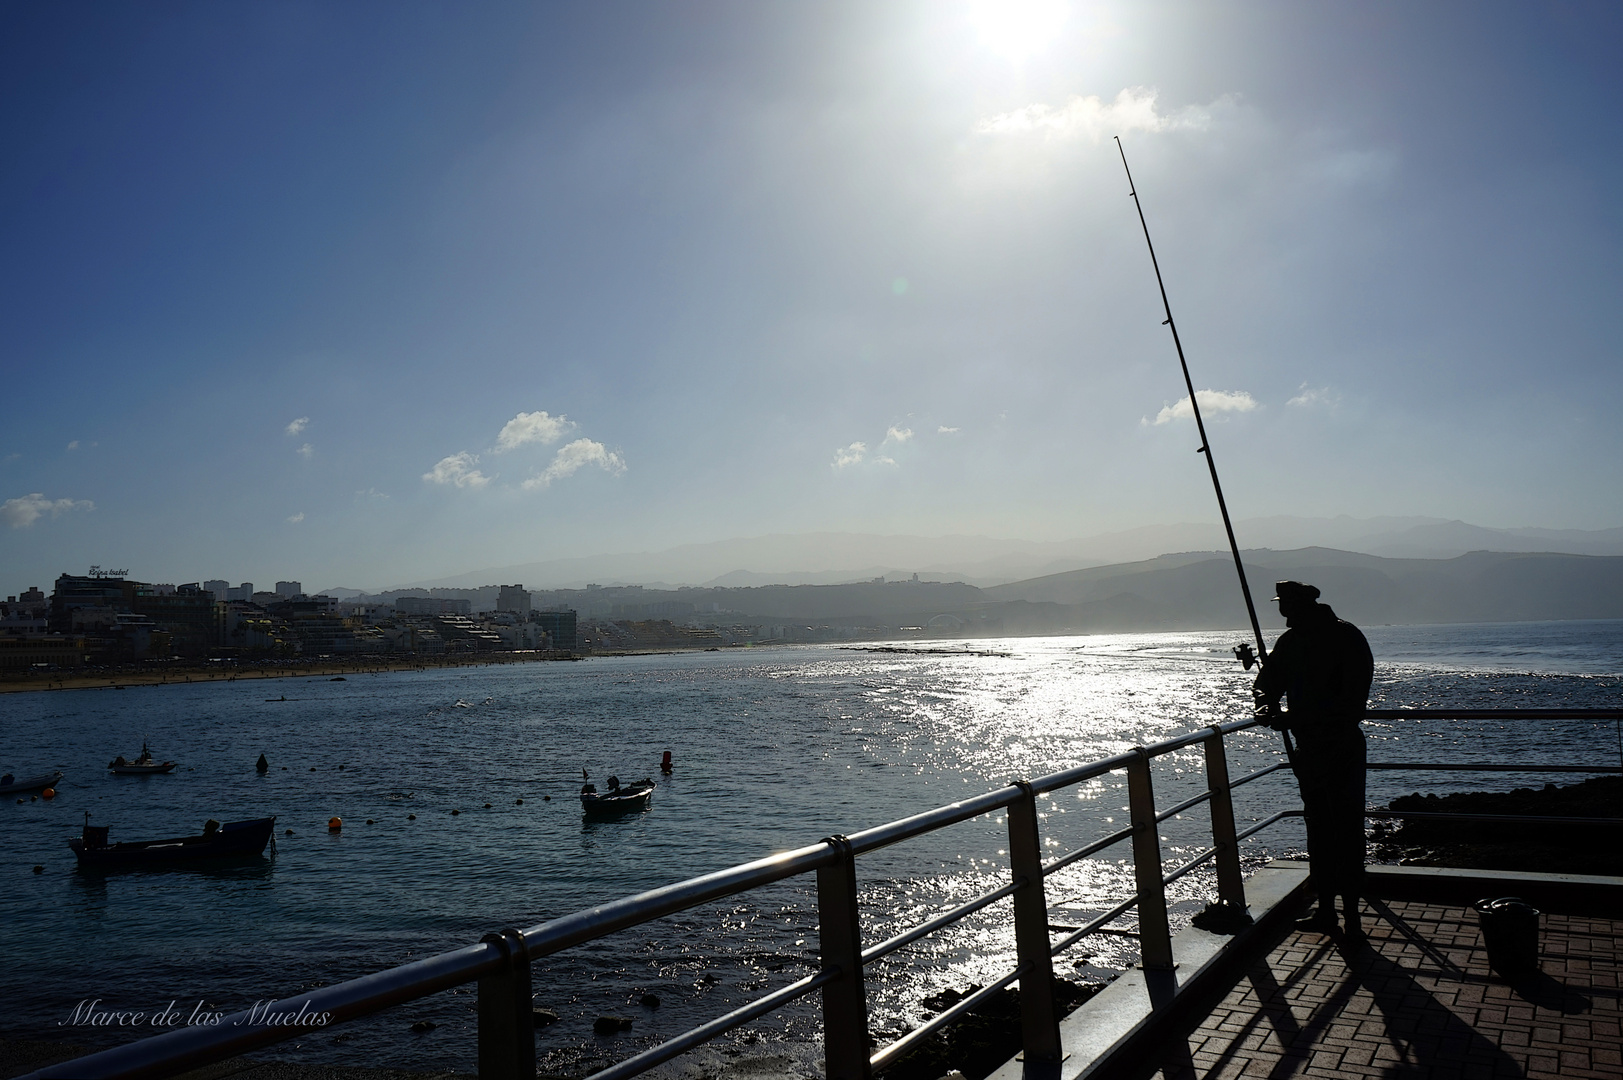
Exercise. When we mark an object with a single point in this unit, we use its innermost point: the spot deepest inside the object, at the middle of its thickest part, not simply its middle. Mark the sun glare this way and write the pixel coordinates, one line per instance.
(1015, 29)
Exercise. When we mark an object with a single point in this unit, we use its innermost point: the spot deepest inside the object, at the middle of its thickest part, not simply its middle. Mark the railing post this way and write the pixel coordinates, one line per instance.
(839, 939)
(1230, 883)
(1154, 932)
(506, 1019)
(1039, 1023)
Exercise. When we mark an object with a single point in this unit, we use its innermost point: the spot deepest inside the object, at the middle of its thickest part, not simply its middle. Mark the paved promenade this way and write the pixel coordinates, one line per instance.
(1419, 1002)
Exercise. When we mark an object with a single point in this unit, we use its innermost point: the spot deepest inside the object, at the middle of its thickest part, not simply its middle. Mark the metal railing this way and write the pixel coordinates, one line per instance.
(500, 963)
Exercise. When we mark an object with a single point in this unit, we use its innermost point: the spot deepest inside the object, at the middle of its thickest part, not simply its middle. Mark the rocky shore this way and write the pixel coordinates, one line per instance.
(1557, 849)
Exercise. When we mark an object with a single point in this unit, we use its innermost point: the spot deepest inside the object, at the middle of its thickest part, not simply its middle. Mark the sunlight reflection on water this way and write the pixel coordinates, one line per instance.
(774, 749)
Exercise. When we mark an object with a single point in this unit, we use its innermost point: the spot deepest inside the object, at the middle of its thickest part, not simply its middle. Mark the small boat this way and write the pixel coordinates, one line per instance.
(234, 839)
(141, 765)
(10, 784)
(616, 800)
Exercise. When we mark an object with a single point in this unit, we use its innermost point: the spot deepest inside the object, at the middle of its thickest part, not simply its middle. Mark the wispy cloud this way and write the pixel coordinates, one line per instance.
(1307, 397)
(74, 445)
(307, 451)
(945, 430)
(847, 456)
(296, 518)
(573, 457)
(897, 435)
(1211, 401)
(532, 427)
(1090, 117)
(23, 511)
(372, 493)
(458, 469)
(297, 427)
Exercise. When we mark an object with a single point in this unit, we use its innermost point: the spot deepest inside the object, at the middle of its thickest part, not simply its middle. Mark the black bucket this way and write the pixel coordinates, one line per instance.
(1510, 930)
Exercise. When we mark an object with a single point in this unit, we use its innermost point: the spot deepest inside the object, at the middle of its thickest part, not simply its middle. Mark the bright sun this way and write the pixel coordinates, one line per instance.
(1015, 29)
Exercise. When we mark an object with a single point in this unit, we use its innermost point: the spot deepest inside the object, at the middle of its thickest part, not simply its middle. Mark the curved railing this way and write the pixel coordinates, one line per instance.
(500, 962)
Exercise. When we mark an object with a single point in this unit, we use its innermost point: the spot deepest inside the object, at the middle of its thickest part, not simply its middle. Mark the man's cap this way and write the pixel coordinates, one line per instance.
(1295, 590)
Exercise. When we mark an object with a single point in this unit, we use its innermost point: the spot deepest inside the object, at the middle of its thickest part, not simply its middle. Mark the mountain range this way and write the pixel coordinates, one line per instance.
(988, 562)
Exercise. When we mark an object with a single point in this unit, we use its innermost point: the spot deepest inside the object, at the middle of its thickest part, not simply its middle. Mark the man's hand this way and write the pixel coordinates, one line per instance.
(1269, 712)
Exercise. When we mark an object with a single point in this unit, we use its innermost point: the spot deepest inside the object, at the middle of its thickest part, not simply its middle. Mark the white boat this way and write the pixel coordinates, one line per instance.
(11, 785)
(141, 765)
(618, 799)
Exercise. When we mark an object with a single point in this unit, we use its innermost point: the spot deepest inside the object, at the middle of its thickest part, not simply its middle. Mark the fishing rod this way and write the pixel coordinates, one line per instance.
(1243, 651)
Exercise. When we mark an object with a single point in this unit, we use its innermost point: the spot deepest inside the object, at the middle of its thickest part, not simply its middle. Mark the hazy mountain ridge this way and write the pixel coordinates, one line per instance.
(1182, 591)
(834, 558)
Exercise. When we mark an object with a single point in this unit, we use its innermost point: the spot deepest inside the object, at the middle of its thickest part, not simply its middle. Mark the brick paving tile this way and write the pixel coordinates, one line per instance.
(1312, 1010)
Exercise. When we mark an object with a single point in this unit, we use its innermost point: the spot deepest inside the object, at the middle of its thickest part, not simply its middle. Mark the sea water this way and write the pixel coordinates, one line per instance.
(774, 749)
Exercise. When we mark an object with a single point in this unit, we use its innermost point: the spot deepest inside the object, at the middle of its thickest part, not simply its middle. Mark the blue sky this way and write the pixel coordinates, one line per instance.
(367, 293)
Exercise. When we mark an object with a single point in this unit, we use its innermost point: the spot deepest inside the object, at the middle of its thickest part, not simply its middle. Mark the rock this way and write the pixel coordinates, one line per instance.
(424, 1025)
(608, 1025)
(39, 869)
(543, 1017)
(649, 1001)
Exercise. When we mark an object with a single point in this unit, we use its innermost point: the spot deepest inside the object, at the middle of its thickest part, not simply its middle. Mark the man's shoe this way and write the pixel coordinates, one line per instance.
(1320, 922)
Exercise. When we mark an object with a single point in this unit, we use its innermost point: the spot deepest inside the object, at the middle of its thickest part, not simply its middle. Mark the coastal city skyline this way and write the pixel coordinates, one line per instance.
(370, 297)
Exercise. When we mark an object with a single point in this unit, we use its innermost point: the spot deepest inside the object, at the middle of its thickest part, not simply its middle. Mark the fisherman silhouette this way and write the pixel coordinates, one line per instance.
(1323, 668)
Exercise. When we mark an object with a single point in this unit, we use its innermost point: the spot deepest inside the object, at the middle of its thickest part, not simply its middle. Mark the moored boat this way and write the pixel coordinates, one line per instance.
(618, 799)
(11, 785)
(141, 765)
(234, 839)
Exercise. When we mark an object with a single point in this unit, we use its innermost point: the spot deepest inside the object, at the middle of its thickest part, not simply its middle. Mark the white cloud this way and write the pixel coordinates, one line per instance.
(1133, 110)
(74, 445)
(296, 518)
(298, 426)
(1211, 401)
(532, 427)
(573, 457)
(850, 455)
(23, 511)
(897, 435)
(1307, 397)
(307, 451)
(457, 469)
(945, 430)
(373, 493)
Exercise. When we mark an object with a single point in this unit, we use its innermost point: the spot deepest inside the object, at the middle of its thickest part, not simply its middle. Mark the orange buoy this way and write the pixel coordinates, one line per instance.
(48, 793)
(334, 824)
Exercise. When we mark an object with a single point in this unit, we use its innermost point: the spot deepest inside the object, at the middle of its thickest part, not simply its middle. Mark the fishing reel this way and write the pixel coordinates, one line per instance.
(1245, 654)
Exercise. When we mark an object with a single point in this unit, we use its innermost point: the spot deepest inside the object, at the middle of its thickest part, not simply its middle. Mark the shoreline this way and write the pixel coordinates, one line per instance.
(183, 673)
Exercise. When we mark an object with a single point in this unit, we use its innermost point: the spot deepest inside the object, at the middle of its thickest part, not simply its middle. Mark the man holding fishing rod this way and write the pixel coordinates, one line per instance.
(1323, 668)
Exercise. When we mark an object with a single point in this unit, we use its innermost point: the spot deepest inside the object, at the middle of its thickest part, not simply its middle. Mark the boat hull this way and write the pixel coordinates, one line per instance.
(143, 770)
(625, 801)
(235, 839)
(30, 783)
